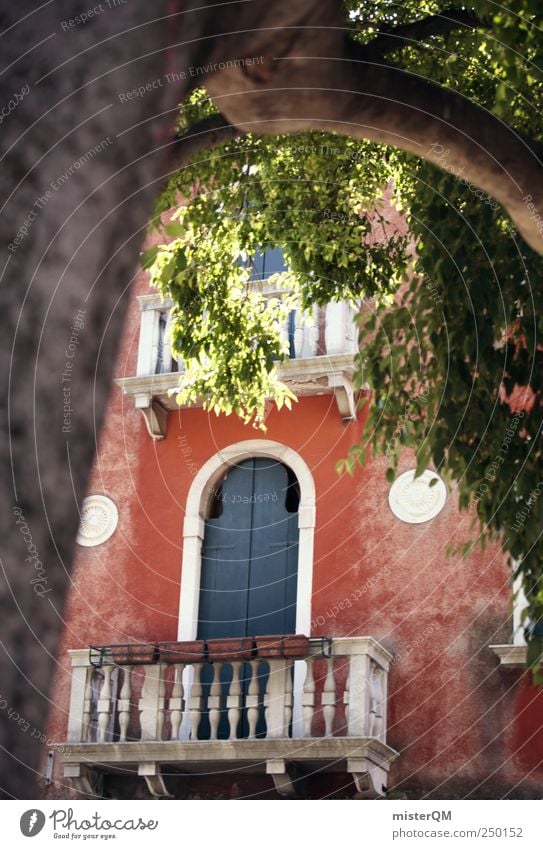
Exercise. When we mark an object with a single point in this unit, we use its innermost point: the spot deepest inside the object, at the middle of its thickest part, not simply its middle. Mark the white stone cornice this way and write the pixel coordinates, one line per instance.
(154, 301)
(154, 396)
(510, 655)
(79, 657)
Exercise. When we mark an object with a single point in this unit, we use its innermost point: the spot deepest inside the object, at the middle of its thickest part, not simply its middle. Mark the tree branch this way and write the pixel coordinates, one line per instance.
(394, 38)
(325, 82)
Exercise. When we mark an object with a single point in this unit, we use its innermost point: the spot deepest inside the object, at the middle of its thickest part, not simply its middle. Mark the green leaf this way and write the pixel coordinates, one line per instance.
(175, 229)
(148, 257)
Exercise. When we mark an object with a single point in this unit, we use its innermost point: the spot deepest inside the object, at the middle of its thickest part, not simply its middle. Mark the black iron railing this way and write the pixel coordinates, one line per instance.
(294, 646)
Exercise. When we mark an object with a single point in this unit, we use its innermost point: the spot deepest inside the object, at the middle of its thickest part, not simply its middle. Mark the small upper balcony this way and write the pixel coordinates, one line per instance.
(321, 350)
(281, 706)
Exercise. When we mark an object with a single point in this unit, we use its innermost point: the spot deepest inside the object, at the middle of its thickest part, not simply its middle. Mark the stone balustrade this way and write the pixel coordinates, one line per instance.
(329, 707)
(343, 693)
(322, 349)
(334, 325)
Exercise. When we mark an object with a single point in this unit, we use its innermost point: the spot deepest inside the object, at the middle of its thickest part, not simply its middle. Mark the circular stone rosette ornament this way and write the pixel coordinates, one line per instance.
(99, 517)
(413, 500)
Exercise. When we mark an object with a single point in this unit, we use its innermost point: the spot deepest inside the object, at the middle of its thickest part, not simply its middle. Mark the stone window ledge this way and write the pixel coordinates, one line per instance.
(510, 655)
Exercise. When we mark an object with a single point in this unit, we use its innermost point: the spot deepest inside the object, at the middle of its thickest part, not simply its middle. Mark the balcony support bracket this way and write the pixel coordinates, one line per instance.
(369, 778)
(154, 779)
(83, 778)
(155, 415)
(283, 777)
(344, 395)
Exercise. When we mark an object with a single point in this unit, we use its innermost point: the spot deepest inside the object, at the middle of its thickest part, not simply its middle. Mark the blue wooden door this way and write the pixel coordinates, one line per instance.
(250, 554)
(250, 559)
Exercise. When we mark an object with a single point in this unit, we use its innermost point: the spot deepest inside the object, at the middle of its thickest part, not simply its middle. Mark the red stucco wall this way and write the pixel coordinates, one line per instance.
(461, 723)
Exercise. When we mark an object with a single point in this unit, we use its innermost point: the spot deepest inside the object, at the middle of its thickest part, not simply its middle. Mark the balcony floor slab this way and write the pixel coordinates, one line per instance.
(328, 754)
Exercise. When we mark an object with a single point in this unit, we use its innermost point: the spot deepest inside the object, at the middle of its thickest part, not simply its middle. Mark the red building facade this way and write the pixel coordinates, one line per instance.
(398, 690)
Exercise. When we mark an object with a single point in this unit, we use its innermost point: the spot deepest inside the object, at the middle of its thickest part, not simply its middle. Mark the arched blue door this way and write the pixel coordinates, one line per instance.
(249, 566)
(250, 554)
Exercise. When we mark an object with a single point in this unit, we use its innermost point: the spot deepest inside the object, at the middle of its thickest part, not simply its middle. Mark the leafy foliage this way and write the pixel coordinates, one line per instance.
(456, 364)
(314, 195)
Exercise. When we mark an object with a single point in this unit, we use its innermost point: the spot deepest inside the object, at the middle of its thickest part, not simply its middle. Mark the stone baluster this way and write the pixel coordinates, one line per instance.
(275, 698)
(359, 696)
(376, 702)
(288, 696)
(104, 705)
(87, 707)
(306, 336)
(313, 333)
(352, 331)
(347, 694)
(161, 712)
(152, 703)
(334, 331)
(195, 702)
(233, 701)
(329, 698)
(298, 333)
(284, 333)
(253, 699)
(82, 697)
(214, 701)
(124, 704)
(383, 673)
(308, 698)
(341, 334)
(147, 349)
(176, 700)
(167, 343)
